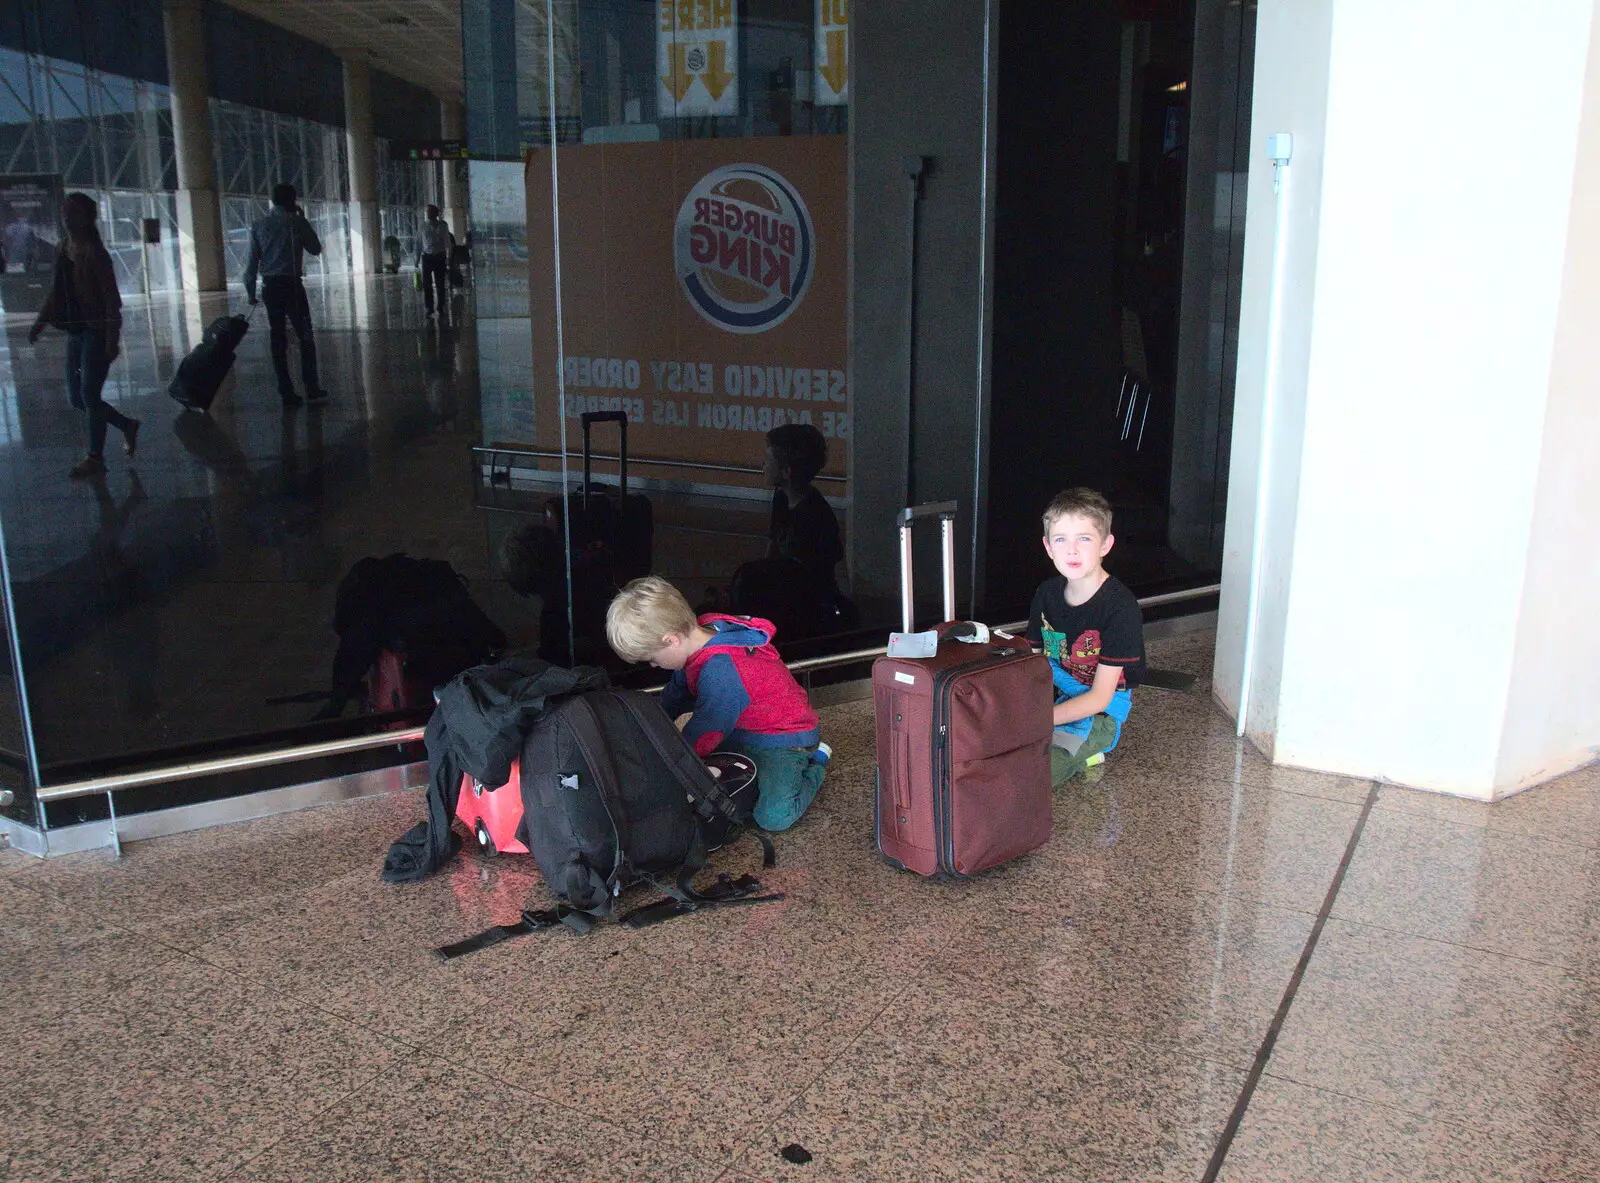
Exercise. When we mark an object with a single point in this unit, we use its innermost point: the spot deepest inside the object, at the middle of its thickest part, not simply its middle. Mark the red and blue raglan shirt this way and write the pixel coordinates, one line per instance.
(740, 690)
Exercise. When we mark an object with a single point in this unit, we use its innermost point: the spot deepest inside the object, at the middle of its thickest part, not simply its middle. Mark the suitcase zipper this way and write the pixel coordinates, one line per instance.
(943, 831)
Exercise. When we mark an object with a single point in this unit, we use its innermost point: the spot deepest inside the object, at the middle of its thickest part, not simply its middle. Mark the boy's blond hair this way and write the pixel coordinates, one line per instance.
(1080, 503)
(645, 611)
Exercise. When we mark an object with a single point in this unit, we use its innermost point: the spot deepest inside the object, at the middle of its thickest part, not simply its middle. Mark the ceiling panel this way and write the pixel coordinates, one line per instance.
(417, 40)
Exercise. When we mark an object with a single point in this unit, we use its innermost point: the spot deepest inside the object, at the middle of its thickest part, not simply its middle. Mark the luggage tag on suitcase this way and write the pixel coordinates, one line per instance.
(917, 645)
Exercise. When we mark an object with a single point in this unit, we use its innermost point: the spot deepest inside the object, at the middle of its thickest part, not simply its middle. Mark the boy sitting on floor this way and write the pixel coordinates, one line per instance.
(1092, 630)
(744, 698)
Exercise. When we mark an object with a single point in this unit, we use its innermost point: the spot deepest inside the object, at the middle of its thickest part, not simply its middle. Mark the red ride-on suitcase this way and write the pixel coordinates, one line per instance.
(494, 813)
(963, 741)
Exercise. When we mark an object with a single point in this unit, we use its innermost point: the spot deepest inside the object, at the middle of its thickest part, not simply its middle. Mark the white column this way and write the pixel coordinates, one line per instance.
(361, 150)
(199, 215)
(1429, 577)
(452, 118)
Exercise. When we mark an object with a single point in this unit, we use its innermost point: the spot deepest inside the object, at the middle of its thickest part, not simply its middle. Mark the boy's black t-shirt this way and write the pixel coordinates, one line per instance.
(1108, 627)
(808, 531)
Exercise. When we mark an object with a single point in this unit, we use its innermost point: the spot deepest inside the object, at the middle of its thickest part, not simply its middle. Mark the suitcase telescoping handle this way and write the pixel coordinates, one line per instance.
(945, 511)
(620, 418)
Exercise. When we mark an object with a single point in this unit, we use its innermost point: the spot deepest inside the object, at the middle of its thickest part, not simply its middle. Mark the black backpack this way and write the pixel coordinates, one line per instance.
(613, 796)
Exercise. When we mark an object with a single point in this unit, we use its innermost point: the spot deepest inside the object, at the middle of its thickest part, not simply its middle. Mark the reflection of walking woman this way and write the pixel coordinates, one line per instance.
(85, 304)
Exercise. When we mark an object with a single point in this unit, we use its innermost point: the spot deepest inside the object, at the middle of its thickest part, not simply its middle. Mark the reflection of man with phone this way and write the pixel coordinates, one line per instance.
(276, 244)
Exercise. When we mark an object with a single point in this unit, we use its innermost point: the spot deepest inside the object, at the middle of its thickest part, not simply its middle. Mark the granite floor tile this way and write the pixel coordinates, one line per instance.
(691, 1033)
(433, 1123)
(1294, 1134)
(55, 956)
(1447, 1033)
(190, 887)
(1134, 836)
(13, 861)
(364, 949)
(1176, 741)
(1527, 897)
(175, 1075)
(1190, 652)
(1202, 975)
(1566, 809)
(946, 1087)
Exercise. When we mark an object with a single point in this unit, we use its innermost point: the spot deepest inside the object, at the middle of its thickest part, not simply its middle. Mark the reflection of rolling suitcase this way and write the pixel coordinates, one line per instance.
(963, 743)
(607, 525)
(201, 373)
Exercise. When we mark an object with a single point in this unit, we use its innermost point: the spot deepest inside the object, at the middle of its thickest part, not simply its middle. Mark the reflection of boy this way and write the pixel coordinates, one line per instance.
(803, 525)
(1092, 630)
(743, 698)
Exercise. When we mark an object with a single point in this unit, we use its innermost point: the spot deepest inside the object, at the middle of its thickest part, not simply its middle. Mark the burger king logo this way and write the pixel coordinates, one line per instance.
(744, 248)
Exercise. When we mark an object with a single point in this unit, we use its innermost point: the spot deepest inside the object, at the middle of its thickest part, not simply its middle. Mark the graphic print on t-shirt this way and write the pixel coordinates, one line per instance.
(1080, 659)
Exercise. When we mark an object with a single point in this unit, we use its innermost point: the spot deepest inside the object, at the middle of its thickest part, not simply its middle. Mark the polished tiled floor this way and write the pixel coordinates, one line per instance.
(252, 1003)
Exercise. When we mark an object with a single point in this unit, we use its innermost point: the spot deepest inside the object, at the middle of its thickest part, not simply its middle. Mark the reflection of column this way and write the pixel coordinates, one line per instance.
(199, 216)
(362, 153)
(452, 118)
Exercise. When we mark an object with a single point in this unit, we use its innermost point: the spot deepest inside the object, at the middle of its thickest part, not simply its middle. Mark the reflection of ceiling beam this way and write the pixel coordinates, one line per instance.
(416, 40)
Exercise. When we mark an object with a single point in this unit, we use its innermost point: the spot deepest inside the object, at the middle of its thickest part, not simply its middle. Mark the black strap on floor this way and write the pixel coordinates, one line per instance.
(531, 922)
(725, 892)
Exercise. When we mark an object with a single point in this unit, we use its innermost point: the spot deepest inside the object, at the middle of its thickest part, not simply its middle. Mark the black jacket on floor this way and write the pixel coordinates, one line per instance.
(478, 729)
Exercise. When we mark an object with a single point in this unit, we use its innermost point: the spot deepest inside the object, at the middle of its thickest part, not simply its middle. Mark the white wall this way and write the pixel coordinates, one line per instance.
(1431, 229)
(1553, 715)
(1293, 39)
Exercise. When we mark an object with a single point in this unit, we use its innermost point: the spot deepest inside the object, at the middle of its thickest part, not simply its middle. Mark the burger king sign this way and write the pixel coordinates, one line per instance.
(744, 248)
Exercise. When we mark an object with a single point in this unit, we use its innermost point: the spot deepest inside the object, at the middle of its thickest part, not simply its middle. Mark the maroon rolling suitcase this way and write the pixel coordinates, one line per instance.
(963, 741)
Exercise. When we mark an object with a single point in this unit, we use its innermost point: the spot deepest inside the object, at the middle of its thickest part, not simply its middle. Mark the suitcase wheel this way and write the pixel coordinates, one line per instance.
(893, 862)
(481, 833)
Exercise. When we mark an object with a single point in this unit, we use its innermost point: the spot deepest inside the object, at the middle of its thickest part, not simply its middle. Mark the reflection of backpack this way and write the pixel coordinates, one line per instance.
(419, 609)
(614, 796)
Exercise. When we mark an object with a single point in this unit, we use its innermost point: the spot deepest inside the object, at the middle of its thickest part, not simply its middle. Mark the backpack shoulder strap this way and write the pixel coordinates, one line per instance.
(690, 772)
(686, 768)
(585, 724)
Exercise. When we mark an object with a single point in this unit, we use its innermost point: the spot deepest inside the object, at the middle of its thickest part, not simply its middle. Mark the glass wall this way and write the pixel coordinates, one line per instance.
(256, 150)
(405, 189)
(102, 134)
(163, 610)
(682, 182)
(111, 137)
(671, 152)
(1123, 141)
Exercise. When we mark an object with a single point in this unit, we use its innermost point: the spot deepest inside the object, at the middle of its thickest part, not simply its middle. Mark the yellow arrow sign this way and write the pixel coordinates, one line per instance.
(835, 70)
(678, 80)
(716, 76)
